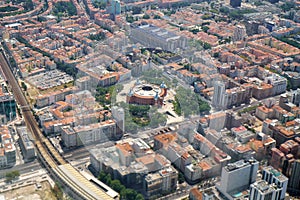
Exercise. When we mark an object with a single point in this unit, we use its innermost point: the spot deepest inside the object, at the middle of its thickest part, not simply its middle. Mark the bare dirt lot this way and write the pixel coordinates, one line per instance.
(31, 192)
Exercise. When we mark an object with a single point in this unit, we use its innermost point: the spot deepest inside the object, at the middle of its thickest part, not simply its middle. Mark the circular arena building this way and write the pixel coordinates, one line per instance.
(147, 94)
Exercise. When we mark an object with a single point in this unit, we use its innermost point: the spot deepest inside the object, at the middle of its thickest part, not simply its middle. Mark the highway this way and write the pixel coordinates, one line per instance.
(78, 185)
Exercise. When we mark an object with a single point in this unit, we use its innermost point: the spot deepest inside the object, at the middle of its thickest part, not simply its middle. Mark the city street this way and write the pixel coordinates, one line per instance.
(22, 168)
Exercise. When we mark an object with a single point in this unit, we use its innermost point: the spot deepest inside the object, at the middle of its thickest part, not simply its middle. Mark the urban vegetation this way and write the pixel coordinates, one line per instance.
(290, 41)
(64, 8)
(228, 68)
(99, 36)
(139, 116)
(248, 109)
(69, 69)
(107, 95)
(188, 103)
(58, 191)
(24, 86)
(26, 4)
(10, 176)
(156, 77)
(125, 193)
(99, 4)
(8, 8)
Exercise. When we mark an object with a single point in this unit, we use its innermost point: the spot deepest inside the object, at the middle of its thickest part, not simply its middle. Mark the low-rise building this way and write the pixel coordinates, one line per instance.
(7, 148)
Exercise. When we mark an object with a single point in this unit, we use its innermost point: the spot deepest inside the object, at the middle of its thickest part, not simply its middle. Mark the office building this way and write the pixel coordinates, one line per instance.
(114, 9)
(26, 144)
(295, 97)
(83, 135)
(272, 175)
(252, 27)
(217, 120)
(227, 98)
(7, 104)
(237, 177)
(239, 33)
(219, 91)
(262, 190)
(119, 116)
(155, 37)
(294, 180)
(236, 3)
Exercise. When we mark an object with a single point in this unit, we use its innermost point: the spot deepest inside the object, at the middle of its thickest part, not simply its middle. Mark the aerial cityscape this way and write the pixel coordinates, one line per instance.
(149, 99)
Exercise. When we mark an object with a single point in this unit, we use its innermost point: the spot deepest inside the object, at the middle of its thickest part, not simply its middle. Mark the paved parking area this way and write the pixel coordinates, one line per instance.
(49, 79)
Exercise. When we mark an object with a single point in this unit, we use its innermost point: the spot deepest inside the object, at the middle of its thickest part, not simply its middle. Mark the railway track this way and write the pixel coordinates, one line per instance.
(76, 184)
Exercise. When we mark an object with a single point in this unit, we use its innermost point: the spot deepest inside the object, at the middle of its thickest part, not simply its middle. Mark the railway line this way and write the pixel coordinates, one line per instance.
(75, 184)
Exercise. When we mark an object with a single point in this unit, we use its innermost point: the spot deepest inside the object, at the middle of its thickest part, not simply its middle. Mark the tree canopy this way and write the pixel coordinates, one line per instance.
(12, 175)
(62, 7)
(125, 193)
(99, 36)
(139, 116)
(188, 103)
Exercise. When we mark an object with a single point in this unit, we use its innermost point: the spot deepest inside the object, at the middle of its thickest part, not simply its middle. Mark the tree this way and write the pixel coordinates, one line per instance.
(99, 36)
(24, 86)
(128, 194)
(99, 4)
(157, 119)
(107, 180)
(180, 178)
(139, 197)
(125, 193)
(206, 45)
(216, 54)
(57, 191)
(8, 9)
(145, 16)
(117, 186)
(224, 10)
(205, 29)
(136, 10)
(156, 17)
(129, 19)
(192, 105)
(203, 105)
(194, 31)
(206, 16)
(287, 6)
(102, 176)
(12, 175)
(64, 7)
(71, 70)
